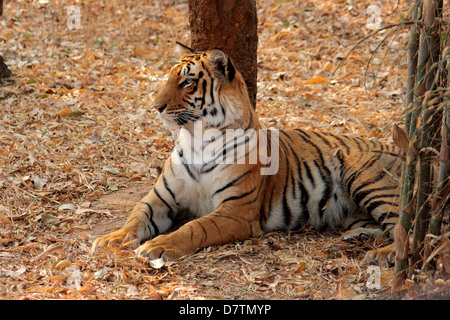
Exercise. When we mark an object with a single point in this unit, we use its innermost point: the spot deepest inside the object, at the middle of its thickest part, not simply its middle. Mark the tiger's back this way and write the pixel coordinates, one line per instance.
(325, 178)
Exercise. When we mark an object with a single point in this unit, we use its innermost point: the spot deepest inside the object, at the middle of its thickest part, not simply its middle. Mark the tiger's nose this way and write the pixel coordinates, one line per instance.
(160, 107)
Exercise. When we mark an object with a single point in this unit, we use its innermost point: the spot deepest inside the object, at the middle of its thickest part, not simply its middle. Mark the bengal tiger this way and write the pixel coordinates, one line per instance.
(319, 178)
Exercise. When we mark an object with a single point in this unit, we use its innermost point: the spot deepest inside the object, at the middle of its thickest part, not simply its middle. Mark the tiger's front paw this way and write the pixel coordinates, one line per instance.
(116, 238)
(161, 247)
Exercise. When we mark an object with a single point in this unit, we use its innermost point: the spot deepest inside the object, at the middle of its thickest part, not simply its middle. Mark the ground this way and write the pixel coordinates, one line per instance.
(80, 143)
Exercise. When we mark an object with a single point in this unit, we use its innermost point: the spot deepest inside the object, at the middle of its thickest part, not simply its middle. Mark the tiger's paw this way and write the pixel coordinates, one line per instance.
(361, 233)
(161, 248)
(383, 256)
(117, 238)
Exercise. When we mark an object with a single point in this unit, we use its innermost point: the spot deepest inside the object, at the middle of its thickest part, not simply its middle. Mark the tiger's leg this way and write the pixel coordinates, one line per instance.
(360, 225)
(151, 216)
(374, 190)
(227, 224)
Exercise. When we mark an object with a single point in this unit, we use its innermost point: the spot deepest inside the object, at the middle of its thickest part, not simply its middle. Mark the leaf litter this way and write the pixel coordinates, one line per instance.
(80, 144)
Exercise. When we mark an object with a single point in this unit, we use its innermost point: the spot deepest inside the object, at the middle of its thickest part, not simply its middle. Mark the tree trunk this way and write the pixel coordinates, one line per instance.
(430, 44)
(4, 71)
(413, 48)
(441, 206)
(230, 25)
(409, 165)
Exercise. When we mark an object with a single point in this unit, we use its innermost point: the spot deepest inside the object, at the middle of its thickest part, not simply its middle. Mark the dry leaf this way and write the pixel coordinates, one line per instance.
(320, 254)
(48, 218)
(316, 80)
(111, 170)
(62, 264)
(111, 69)
(64, 112)
(300, 268)
(401, 139)
(67, 206)
(401, 242)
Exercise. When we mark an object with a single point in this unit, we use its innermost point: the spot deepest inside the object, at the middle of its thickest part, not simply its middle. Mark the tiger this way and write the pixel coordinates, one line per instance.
(317, 179)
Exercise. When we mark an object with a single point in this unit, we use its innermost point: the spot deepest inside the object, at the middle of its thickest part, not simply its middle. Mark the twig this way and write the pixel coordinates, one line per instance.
(403, 23)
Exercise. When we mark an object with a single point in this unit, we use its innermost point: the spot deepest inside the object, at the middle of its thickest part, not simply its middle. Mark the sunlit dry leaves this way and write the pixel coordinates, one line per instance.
(77, 126)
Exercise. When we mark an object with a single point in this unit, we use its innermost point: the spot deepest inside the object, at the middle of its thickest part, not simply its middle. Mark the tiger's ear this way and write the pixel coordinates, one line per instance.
(182, 49)
(222, 64)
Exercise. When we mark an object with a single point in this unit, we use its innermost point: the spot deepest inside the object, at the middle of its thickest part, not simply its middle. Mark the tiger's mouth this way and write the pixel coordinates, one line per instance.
(174, 121)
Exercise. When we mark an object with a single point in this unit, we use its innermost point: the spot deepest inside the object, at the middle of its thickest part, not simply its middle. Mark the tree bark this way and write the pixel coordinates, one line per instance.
(409, 165)
(430, 50)
(4, 71)
(230, 25)
(441, 206)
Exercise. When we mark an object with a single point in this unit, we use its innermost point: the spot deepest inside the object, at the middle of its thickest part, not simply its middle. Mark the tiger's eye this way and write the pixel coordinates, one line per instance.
(186, 83)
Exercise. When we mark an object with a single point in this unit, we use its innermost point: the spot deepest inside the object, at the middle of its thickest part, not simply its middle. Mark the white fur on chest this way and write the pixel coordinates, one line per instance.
(194, 190)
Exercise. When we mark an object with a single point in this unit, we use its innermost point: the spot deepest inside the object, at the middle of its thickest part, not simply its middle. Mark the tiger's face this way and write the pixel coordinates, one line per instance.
(203, 86)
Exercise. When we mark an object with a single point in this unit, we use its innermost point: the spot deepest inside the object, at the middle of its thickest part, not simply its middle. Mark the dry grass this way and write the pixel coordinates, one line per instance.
(77, 133)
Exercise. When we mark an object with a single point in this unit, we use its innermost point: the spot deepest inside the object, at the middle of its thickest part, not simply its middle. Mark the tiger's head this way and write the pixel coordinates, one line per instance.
(204, 86)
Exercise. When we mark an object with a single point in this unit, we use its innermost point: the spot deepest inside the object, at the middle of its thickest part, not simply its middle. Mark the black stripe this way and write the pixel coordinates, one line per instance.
(381, 176)
(213, 221)
(150, 218)
(286, 135)
(309, 174)
(269, 211)
(376, 204)
(304, 216)
(319, 152)
(171, 166)
(286, 210)
(205, 238)
(204, 83)
(357, 144)
(193, 88)
(239, 196)
(171, 212)
(234, 146)
(190, 172)
(347, 148)
(251, 201)
(369, 220)
(359, 171)
(301, 132)
(232, 182)
(299, 171)
(192, 231)
(326, 194)
(359, 196)
(209, 169)
(326, 177)
(380, 196)
(211, 93)
(212, 90)
(166, 185)
(323, 139)
(219, 214)
(191, 104)
(385, 215)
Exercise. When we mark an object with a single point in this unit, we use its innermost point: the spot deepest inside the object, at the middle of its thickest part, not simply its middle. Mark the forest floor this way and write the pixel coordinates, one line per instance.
(80, 143)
